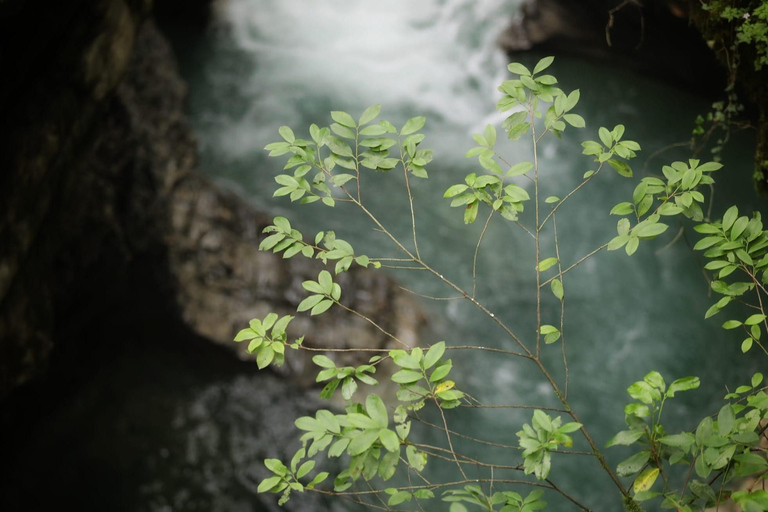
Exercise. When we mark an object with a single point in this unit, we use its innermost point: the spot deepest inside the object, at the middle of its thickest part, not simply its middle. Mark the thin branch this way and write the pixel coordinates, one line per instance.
(410, 200)
(377, 326)
(537, 238)
(679, 235)
(582, 260)
(477, 250)
(563, 200)
(489, 349)
(431, 297)
(448, 437)
(562, 310)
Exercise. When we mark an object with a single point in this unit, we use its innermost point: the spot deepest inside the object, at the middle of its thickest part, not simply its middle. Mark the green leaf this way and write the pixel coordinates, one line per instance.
(731, 324)
(684, 440)
(328, 421)
(440, 372)
(683, 384)
(730, 217)
(455, 190)
(348, 388)
(622, 209)
(622, 227)
(725, 420)
(416, 458)
(321, 307)
(557, 288)
(625, 438)
(738, 227)
(245, 334)
(645, 480)
(265, 356)
(309, 303)
(633, 464)
(433, 355)
(406, 376)
(552, 199)
(268, 483)
(323, 361)
(363, 442)
(319, 478)
(517, 131)
(287, 134)
(347, 133)
(305, 468)
(605, 137)
(649, 230)
(632, 245)
(398, 498)
(490, 135)
(547, 263)
(343, 118)
(541, 65)
(369, 114)
(470, 213)
(754, 319)
(575, 120)
(413, 125)
(376, 409)
(390, 440)
(518, 69)
(519, 169)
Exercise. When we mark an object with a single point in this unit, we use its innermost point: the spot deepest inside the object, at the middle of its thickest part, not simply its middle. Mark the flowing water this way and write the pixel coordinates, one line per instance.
(270, 63)
(267, 63)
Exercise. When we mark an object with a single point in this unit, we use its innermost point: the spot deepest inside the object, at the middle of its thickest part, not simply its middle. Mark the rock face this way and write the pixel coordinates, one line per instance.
(652, 36)
(221, 281)
(63, 224)
(110, 240)
(99, 200)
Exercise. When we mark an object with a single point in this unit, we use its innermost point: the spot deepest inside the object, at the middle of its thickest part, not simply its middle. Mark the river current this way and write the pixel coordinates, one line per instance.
(267, 63)
(270, 63)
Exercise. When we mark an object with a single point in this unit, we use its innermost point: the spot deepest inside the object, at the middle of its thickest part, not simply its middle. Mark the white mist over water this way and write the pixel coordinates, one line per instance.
(437, 58)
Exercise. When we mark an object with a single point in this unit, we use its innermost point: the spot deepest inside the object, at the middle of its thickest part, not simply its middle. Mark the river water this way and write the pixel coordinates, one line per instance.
(267, 63)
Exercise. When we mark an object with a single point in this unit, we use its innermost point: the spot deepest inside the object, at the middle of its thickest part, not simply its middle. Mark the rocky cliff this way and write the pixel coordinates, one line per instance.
(102, 208)
(109, 240)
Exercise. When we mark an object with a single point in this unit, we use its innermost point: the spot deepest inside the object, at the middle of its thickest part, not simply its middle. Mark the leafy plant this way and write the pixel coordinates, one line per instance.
(373, 439)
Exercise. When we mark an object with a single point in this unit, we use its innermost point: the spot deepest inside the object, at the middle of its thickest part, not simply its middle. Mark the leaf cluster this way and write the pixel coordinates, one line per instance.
(267, 338)
(539, 439)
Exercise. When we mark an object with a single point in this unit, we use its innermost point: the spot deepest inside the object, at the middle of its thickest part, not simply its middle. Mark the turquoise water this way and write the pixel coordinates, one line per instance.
(267, 64)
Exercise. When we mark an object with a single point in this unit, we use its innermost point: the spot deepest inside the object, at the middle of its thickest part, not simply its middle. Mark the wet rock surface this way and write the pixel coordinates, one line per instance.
(650, 36)
(119, 265)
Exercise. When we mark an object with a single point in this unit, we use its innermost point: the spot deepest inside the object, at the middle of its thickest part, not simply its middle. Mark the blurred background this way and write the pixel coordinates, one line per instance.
(134, 188)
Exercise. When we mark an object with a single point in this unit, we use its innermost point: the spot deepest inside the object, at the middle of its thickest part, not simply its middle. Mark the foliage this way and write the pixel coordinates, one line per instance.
(749, 20)
(374, 440)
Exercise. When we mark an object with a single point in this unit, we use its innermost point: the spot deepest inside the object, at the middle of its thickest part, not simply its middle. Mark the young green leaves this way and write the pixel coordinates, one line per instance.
(324, 294)
(489, 189)
(541, 437)
(267, 338)
(335, 155)
(286, 480)
(345, 376)
(610, 146)
(737, 247)
(363, 434)
(677, 195)
(424, 375)
(644, 421)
